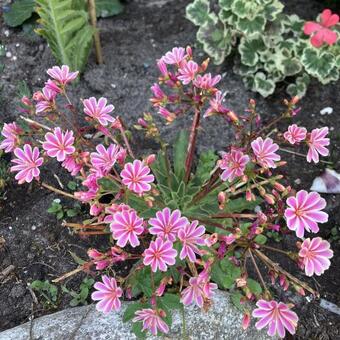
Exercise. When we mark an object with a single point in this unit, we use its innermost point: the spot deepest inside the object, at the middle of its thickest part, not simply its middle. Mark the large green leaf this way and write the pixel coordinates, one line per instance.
(20, 11)
(318, 63)
(249, 49)
(216, 40)
(300, 87)
(66, 30)
(198, 12)
(255, 25)
(263, 85)
(107, 8)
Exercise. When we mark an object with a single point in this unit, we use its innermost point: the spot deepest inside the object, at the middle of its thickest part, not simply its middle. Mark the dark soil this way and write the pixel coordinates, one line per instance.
(38, 246)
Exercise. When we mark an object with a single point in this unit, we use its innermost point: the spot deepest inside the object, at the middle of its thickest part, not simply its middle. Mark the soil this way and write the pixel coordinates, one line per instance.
(36, 244)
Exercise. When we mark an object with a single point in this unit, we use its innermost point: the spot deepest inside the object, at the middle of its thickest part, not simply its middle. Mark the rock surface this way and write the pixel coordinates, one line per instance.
(222, 321)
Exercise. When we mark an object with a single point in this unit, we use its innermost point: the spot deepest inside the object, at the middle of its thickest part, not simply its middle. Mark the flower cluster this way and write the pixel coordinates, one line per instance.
(180, 228)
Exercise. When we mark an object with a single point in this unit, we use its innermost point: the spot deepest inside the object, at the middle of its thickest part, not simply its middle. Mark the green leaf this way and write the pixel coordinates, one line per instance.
(172, 301)
(291, 66)
(318, 64)
(71, 212)
(137, 329)
(180, 154)
(263, 85)
(60, 215)
(72, 185)
(129, 313)
(216, 40)
(206, 163)
(260, 239)
(76, 258)
(245, 9)
(273, 10)
(300, 87)
(249, 49)
(66, 30)
(251, 26)
(108, 8)
(198, 12)
(254, 286)
(236, 300)
(225, 4)
(220, 277)
(19, 11)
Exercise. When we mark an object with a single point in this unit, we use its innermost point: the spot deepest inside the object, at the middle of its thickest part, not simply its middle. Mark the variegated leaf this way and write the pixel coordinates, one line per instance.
(199, 13)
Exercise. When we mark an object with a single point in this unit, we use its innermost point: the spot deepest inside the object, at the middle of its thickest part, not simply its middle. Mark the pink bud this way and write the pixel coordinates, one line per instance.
(270, 199)
(94, 253)
(246, 320)
(189, 51)
(150, 159)
(162, 67)
(142, 123)
(160, 289)
(26, 101)
(278, 186)
(128, 293)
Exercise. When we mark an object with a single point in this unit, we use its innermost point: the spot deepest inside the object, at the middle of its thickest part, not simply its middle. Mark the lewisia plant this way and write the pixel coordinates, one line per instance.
(182, 225)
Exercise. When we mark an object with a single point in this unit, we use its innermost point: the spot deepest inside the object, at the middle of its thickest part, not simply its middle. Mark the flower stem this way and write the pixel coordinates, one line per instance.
(231, 215)
(58, 191)
(93, 19)
(126, 141)
(301, 155)
(277, 268)
(30, 121)
(192, 144)
(258, 272)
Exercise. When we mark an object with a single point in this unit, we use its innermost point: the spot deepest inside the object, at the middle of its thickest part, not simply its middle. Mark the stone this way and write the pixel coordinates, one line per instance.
(222, 322)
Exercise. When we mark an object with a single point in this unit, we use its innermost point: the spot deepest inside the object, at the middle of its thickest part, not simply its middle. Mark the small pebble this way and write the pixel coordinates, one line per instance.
(8, 54)
(34, 227)
(331, 128)
(113, 86)
(14, 58)
(10, 228)
(327, 110)
(297, 181)
(6, 33)
(17, 45)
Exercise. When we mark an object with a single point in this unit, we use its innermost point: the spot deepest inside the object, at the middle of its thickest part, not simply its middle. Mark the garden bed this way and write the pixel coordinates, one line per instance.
(38, 246)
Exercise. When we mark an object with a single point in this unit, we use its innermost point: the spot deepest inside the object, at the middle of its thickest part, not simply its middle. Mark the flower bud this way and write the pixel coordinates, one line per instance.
(205, 64)
(221, 199)
(246, 320)
(189, 51)
(162, 67)
(295, 100)
(150, 159)
(26, 101)
(142, 123)
(278, 186)
(252, 102)
(232, 116)
(270, 199)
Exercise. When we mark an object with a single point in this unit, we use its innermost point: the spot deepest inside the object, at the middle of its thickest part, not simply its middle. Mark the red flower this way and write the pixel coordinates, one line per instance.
(321, 32)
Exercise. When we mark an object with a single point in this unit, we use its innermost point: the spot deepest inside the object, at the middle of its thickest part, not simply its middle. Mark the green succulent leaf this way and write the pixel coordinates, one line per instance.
(255, 25)
(249, 49)
(318, 64)
(216, 40)
(107, 8)
(19, 12)
(66, 30)
(263, 85)
(180, 154)
(254, 287)
(198, 12)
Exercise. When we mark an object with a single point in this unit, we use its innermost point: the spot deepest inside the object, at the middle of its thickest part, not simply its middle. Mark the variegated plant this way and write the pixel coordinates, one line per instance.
(271, 45)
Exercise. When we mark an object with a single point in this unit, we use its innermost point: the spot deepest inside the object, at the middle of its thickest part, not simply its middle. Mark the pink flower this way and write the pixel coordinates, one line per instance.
(206, 82)
(108, 294)
(85, 196)
(28, 161)
(45, 100)
(71, 165)
(114, 208)
(295, 134)
(125, 227)
(175, 56)
(105, 159)
(233, 164)
(136, 176)
(216, 105)
(277, 316)
(157, 92)
(59, 144)
(169, 116)
(162, 67)
(304, 212)
(103, 260)
(160, 254)
(52, 86)
(321, 32)
(191, 236)
(188, 72)
(315, 255)
(199, 289)
(264, 151)
(167, 223)
(62, 75)
(317, 142)
(99, 110)
(152, 320)
(11, 133)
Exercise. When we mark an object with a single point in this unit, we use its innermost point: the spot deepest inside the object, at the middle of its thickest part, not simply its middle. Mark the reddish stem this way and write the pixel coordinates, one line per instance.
(192, 144)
